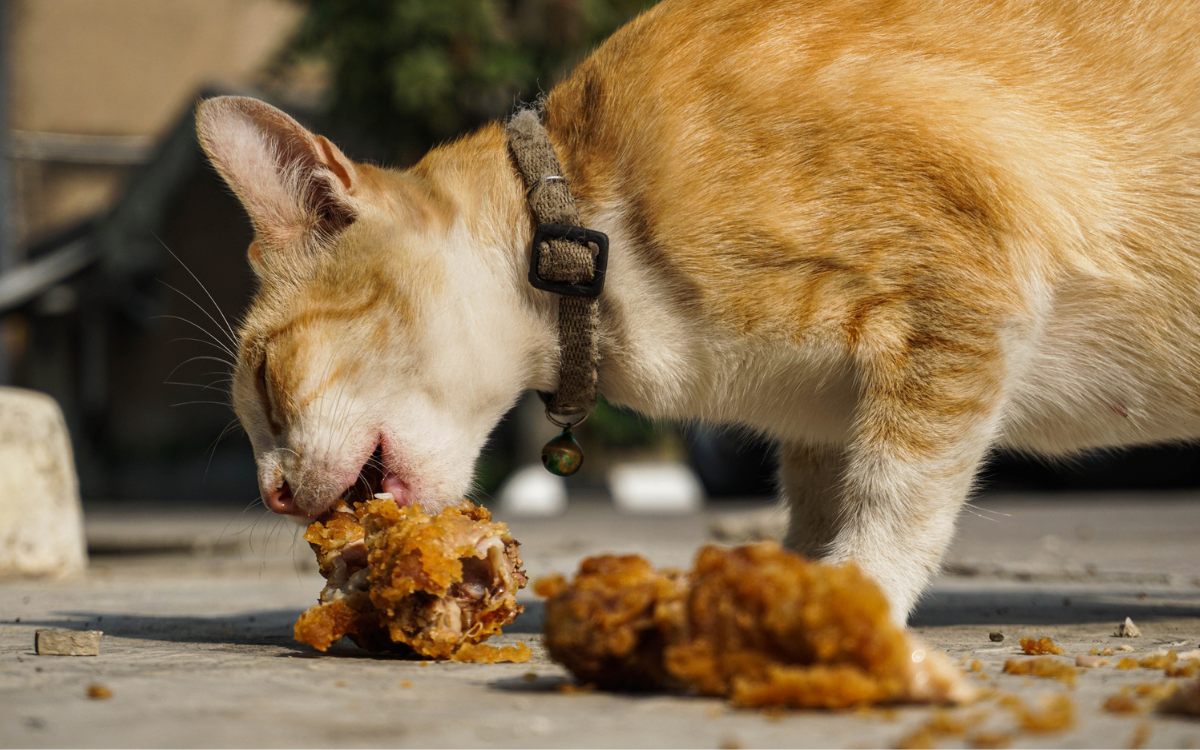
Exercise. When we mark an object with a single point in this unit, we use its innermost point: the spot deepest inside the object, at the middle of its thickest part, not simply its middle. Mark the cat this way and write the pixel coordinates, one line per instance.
(891, 236)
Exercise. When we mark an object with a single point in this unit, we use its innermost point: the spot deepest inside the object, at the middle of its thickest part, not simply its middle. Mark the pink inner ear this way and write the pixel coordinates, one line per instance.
(292, 183)
(337, 163)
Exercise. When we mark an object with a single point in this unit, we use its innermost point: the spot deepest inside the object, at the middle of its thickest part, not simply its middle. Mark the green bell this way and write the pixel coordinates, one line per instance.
(562, 455)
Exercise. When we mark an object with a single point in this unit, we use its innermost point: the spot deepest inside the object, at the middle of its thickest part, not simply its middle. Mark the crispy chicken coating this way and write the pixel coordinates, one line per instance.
(757, 624)
(438, 585)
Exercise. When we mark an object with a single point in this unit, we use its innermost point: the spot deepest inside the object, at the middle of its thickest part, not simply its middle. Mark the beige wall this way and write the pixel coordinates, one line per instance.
(96, 77)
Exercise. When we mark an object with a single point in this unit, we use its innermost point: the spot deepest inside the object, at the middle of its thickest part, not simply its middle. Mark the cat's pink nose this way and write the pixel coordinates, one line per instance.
(280, 500)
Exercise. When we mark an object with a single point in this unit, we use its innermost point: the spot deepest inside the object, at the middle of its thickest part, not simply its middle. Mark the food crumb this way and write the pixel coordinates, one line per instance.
(1140, 737)
(1042, 666)
(1189, 668)
(574, 688)
(1127, 663)
(921, 738)
(1090, 661)
(1158, 660)
(550, 586)
(1154, 690)
(406, 683)
(1036, 646)
(339, 683)
(989, 739)
(1185, 700)
(1127, 629)
(731, 743)
(529, 676)
(1101, 652)
(976, 665)
(1056, 714)
(996, 637)
(98, 692)
(1121, 703)
(1125, 648)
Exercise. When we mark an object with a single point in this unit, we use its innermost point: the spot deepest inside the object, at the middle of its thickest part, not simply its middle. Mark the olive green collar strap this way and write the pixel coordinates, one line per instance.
(566, 260)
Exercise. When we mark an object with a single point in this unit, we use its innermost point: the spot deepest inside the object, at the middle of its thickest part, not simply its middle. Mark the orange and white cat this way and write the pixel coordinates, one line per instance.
(889, 235)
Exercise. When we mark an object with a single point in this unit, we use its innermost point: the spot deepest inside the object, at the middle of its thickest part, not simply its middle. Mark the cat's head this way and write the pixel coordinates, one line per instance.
(386, 337)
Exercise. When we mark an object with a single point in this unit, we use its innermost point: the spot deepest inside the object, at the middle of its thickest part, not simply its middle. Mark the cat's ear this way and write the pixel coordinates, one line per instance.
(294, 184)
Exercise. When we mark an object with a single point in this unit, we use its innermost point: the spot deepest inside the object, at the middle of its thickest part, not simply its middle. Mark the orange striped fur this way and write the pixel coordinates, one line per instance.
(889, 235)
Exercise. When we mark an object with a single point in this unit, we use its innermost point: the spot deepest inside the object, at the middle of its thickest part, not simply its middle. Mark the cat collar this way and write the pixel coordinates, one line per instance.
(570, 261)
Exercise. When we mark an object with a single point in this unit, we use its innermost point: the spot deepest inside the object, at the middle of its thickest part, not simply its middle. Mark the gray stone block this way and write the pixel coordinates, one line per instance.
(49, 641)
(41, 519)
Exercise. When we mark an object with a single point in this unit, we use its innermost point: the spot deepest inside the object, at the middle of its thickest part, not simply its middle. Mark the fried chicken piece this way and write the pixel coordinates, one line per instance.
(757, 624)
(439, 585)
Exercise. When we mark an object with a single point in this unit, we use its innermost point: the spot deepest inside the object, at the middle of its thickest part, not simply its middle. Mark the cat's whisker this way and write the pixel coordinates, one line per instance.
(228, 329)
(202, 329)
(197, 358)
(202, 386)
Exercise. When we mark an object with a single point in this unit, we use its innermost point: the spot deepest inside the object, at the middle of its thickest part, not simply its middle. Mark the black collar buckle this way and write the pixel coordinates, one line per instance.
(582, 236)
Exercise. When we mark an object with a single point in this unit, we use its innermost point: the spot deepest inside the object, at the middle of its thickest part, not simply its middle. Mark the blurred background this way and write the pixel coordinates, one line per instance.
(122, 263)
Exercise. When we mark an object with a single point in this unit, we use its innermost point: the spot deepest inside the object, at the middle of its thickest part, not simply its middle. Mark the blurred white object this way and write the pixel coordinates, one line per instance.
(41, 519)
(659, 487)
(533, 491)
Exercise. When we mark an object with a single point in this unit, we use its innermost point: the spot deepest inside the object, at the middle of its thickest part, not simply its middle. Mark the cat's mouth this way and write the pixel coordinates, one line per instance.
(375, 480)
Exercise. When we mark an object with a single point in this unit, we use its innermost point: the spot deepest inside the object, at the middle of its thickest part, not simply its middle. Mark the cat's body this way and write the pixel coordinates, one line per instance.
(888, 235)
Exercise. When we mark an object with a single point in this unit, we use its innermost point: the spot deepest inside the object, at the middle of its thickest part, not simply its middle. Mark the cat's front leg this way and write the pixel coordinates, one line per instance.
(927, 414)
(810, 476)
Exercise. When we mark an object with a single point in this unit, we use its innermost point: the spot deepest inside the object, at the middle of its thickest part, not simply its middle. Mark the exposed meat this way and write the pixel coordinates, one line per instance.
(757, 624)
(400, 578)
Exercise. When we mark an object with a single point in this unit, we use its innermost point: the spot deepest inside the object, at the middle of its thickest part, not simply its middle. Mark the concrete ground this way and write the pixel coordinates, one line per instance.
(197, 608)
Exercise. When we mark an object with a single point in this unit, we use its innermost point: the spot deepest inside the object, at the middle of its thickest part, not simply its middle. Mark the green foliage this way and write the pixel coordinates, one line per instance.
(415, 72)
(620, 428)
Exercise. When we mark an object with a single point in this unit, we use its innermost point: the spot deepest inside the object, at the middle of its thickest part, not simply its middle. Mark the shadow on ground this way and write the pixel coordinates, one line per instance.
(1053, 607)
(260, 628)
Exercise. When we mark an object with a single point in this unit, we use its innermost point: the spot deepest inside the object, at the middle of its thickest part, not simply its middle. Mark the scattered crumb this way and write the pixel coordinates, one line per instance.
(484, 653)
(1043, 666)
(987, 739)
(922, 738)
(1035, 646)
(945, 723)
(1185, 700)
(98, 692)
(1101, 652)
(1121, 703)
(940, 724)
(731, 743)
(1125, 647)
(405, 683)
(1158, 660)
(1189, 668)
(996, 637)
(1128, 630)
(1056, 714)
(1090, 661)
(1127, 663)
(574, 688)
(1154, 690)
(339, 683)
(550, 586)
(976, 665)
(529, 676)
(1141, 735)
